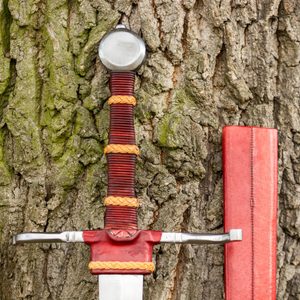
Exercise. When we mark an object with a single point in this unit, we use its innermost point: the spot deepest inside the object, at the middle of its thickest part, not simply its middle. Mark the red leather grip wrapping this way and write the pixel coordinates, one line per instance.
(250, 199)
(120, 217)
(121, 124)
(121, 174)
(122, 83)
(121, 167)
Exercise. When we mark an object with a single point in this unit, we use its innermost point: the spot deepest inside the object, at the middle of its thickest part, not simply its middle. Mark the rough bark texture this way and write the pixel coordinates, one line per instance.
(209, 63)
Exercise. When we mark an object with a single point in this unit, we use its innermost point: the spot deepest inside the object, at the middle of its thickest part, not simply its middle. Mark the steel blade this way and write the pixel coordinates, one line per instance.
(120, 287)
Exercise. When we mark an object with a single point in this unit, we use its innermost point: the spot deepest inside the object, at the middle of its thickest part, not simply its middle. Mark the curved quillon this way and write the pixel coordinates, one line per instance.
(94, 236)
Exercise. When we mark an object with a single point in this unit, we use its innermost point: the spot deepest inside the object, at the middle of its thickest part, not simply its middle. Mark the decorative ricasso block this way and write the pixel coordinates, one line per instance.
(121, 251)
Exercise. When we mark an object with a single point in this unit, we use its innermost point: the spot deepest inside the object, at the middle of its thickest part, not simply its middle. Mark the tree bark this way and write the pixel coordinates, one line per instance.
(209, 64)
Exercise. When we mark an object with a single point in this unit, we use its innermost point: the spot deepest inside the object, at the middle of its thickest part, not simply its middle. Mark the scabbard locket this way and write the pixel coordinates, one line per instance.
(120, 247)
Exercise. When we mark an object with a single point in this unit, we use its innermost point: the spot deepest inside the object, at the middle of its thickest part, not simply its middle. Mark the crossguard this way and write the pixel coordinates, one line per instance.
(125, 251)
(166, 237)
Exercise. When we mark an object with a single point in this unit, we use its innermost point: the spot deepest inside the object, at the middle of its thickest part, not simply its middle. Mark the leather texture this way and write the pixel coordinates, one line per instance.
(250, 200)
(121, 166)
(122, 246)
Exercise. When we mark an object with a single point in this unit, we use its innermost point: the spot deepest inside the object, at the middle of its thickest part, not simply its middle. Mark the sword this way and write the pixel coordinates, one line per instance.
(121, 253)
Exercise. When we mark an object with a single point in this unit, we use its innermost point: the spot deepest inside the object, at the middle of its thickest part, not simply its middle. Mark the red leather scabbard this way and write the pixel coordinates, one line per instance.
(250, 200)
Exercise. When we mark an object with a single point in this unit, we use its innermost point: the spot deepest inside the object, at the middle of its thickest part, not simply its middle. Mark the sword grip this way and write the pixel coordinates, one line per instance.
(121, 166)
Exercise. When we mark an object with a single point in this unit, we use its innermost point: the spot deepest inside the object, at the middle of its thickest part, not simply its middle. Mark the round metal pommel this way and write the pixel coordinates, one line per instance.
(122, 50)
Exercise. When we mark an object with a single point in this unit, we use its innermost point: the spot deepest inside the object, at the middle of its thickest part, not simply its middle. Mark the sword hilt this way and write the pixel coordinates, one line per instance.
(120, 247)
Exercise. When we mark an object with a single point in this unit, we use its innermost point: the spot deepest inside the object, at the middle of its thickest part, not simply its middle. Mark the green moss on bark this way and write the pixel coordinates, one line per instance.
(167, 131)
(5, 20)
(5, 173)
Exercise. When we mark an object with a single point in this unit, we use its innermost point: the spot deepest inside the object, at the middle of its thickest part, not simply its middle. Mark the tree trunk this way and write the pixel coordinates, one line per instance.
(209, 64)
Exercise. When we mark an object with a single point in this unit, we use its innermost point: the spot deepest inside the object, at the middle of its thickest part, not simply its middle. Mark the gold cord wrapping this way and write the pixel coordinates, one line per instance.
(118, 148)
(121, 201)
(122, 100)
(122, 265)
